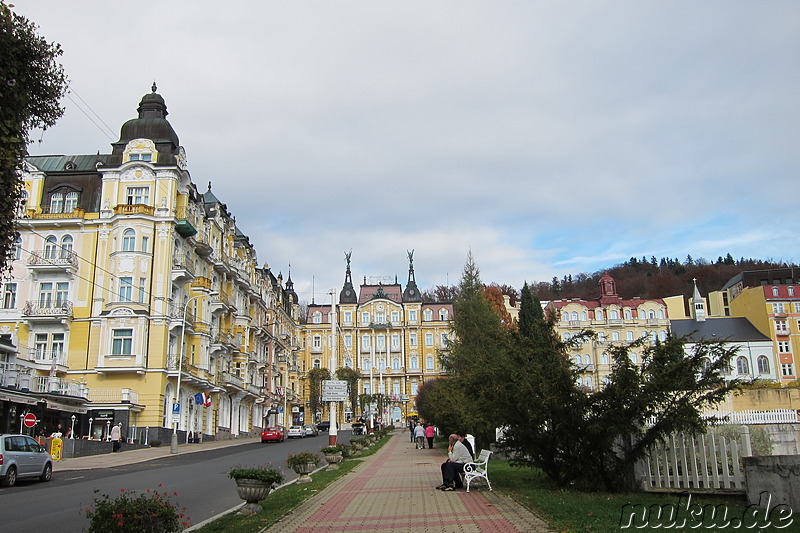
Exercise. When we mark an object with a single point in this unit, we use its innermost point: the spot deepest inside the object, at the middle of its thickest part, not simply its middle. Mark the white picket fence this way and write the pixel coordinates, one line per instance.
(775, 416)
(702, 462)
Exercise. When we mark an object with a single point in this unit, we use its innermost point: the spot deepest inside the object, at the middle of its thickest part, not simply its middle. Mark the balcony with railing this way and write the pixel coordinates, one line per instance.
(15, 376)
(176, 312)
(53, 259)
(47, 213)
(134, 209)
(201, 284)
(123, 395)
(47, 309)
(186, 223)
(55, 358)
(182, 268)
(66, 387)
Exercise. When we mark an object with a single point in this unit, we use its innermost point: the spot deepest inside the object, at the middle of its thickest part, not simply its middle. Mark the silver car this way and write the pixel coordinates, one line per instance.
(22, 457)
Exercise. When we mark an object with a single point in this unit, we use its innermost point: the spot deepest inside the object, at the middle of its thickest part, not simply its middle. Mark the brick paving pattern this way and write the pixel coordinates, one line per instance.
(393, 491)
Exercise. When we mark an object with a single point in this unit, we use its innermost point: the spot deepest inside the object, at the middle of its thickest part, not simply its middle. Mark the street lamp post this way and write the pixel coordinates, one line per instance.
(173, 446)
(332, 431)
(90, 426)
(72, 427)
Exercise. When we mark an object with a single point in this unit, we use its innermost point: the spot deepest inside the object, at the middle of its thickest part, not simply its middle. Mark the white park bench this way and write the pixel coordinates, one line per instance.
(478, 469)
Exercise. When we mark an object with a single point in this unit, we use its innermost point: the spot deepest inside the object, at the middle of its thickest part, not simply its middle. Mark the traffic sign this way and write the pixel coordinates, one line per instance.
(29, 420)
(334, 390)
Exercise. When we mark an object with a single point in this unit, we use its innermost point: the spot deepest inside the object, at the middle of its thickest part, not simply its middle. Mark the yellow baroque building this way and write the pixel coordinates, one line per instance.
(614, 320)
(383, 331)
(134, 299)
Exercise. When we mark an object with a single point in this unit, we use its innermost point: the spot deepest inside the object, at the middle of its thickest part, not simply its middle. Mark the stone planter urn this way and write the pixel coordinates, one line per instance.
(334, 460)
(304, 471)
(252, 491)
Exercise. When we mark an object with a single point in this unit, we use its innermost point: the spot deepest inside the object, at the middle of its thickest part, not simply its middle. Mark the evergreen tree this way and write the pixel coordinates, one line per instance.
(33, 83)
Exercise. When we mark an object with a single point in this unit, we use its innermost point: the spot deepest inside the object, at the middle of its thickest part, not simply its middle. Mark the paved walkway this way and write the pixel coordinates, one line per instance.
(393, 491)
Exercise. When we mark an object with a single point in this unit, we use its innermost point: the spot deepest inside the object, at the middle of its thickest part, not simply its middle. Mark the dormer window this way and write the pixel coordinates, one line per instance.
(140, 150)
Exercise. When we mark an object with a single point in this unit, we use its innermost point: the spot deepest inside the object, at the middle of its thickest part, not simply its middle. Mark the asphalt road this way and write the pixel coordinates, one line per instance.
(200, 480)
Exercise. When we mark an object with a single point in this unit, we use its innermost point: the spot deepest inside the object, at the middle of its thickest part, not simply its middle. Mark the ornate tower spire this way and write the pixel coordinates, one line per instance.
(348, 294)
(698, 304)
(411, 294)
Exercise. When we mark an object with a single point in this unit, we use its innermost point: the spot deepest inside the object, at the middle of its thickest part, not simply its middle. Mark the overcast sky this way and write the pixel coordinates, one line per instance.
(550, 138)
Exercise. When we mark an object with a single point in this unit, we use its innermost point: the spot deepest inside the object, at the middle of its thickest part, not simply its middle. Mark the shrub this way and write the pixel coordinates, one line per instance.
(330, 450)
(263, 473)
(302, 458)
(148, 512)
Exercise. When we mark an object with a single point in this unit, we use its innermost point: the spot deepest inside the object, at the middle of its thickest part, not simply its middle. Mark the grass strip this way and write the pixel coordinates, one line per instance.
(573, 511)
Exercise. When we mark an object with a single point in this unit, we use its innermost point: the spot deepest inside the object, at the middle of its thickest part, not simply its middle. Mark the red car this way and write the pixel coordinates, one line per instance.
(274, 434)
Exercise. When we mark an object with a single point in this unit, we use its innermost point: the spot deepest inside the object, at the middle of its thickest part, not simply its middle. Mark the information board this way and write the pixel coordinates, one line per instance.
(334, 390)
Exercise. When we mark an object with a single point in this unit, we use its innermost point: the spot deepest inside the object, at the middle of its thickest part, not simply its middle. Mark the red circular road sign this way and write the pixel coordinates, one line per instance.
(29, 420)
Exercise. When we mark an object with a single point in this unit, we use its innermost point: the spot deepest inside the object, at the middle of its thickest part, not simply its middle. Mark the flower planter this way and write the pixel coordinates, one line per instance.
(334, 460)
(252, 491)
(304, 470)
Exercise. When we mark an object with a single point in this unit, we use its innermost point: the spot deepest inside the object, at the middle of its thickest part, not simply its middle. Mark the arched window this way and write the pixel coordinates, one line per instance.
(587, 360)
(577, 359)
(651, 314)
(70, 202)
(588, 381)
(627, 314)
(443, 314)
(763, 364)
(365, 363)
(583, 316)
(57, 203)
(742, 366)
(395, 364)
(574, 315)
(348, 363)
(128, 240)
(604, 358)
(16, 251)
(613, 314)
(615, 336)
(660, 313)
(598, 314)
(317, 363)
(51, 247)
(705, 364)
(566, 337)
(66, 246)
(565, 316)
(634, 358)
(642, 314)
(429, 363)
(414, 363)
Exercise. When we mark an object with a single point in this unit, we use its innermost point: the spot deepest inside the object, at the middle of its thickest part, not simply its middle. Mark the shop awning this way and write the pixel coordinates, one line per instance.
(17, 398)
(56, 406)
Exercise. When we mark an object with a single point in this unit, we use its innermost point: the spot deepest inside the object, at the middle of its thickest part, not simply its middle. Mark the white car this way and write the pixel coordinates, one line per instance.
(296, 431)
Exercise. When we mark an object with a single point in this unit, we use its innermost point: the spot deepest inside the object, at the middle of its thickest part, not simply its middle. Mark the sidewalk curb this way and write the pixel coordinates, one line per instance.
(207, 521)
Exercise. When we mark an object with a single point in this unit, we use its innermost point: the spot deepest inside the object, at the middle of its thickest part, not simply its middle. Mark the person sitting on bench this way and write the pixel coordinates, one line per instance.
(457, 455)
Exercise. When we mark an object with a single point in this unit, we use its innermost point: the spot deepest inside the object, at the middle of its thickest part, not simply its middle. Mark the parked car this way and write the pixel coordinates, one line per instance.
(272, 434)
(22, 457)
(296, 431)
(311, 431)
(324, 426)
